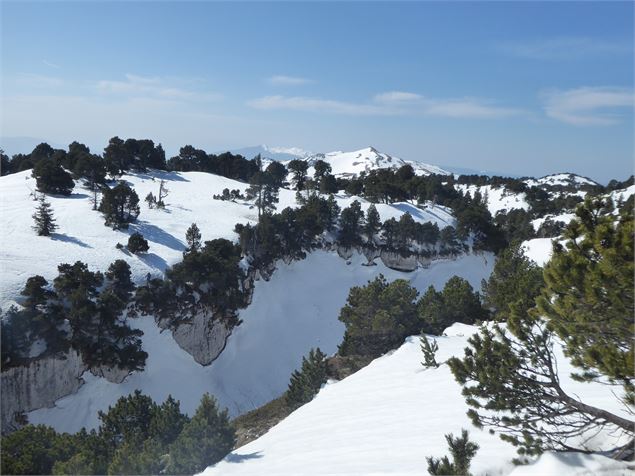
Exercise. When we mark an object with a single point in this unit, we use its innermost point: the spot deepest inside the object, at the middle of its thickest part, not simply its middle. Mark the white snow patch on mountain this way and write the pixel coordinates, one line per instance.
(561, 179)
(347, 164)
(498, 199)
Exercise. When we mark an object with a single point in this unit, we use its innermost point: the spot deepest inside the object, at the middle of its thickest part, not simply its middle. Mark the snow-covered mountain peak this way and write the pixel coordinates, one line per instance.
(347, 164)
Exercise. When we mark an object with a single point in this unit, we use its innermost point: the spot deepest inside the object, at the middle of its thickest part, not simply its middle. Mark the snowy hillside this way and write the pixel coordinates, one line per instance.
(498, 199)
(346, 164)
(297, 308)
(83, 236)
(562, 180)
(386, 418)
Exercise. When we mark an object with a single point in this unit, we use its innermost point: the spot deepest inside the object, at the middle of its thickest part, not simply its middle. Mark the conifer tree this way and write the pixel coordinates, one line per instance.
(429, 351)
(52, 178)
(373, 222)
(263, 191)
(515, 281)
(299, 169)
(193, 239)
(120, 205)
(44, 220)
(306, 382)
(137, 243)
(462, 451)
(205, 439)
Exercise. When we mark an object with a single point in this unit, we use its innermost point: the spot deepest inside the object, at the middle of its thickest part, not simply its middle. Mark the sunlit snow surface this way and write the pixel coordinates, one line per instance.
(387, 417)
(83, 236)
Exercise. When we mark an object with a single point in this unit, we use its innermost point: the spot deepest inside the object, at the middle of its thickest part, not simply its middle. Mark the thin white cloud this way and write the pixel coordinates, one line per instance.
(307, 104)
(566, 48)
(282, 80)
(397, 97)
(39, 80)
(589, 106)
(389, 103)
(51, 65)
(143, 86)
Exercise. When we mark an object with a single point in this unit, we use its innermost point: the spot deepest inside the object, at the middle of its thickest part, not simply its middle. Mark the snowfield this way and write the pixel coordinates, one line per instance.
(295, 310)
(499, 199)
(390, 415)
(83, 236)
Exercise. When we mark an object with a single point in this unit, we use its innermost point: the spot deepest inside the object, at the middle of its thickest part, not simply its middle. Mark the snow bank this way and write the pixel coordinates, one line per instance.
(293, 312)
(573, 464)
(538, 250)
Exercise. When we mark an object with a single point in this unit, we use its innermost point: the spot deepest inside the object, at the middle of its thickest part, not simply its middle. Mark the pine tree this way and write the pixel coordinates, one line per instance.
(306, 382)
(299, 169)
(163, 192)
(373, 222)
(193, 239)
(137, 243)
(262, 189)
(44, 220)
(150, 200)
(52, 178)
(351, 222)
(462, 451)
(119, 280)
(515, 280)
(429, 351)
(204, 441)
(120, 205)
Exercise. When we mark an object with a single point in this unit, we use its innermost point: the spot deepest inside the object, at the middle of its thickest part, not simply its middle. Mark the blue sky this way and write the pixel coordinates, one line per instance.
(519, 88)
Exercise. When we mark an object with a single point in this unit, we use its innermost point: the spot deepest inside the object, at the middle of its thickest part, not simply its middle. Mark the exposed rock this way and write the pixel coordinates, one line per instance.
(371, 253)
(38, 384)
(345, 252)
(396, 261)
(204, 337)
(112, 374)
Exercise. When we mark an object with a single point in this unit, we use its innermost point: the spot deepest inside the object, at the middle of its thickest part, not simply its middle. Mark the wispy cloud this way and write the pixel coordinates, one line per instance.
(282, 80)
(144, 86)
(51, 65)
(390, 103)
(566, 48)
(588, 106)
(39, 81)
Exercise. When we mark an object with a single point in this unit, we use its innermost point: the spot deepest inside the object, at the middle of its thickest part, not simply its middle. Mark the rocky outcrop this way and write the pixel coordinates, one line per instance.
(112, 374)
(204, 337)
(38, 384)
(399, 262)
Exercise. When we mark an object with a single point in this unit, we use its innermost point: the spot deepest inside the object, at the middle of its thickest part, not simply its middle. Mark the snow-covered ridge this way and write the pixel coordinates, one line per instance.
(347, 164)
(390, 415)
(562, 179)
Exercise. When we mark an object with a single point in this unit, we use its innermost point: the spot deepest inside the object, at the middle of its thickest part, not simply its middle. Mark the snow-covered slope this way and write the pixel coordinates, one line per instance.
(346, 164)
(499, 199)
(83, 236)
(293, 312)
(385, 419)
(569, 179)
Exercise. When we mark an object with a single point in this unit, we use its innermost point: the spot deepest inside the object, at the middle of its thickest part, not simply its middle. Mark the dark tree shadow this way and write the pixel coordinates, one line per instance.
(156, 235)
(69, 239)
(153, 260)
(160, 175)
(235, 458)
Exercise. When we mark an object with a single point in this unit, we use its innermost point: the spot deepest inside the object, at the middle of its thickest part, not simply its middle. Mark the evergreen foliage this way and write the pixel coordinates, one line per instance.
(44, 219)
(378, 316)
(510, 378)
(262, 189)
(462, 451)
(52, 178)
(515, 281)
(457, 302)
(120, 205)
(351, 223)
(193, 239)
(306, 382)
(429, 351)
(137, 243)
(204, 441)
(299, 169)
(588, 297)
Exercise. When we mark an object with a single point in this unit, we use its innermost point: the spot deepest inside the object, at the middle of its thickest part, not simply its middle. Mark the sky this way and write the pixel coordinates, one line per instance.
(519, 88)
